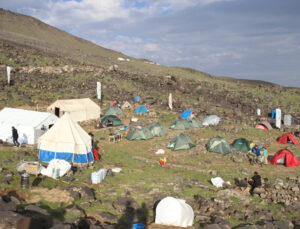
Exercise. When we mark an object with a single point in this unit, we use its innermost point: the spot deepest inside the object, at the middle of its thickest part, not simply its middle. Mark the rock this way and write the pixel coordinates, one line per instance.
(295, 189)
(246, 227)
(7, 206)
(87, 193)
(63, 226)
(212, 226)
(258, 190)
(76, 211)
(213, 172)
(283, 225)
(202, 218)
(9, 219)
(108, 217)
(36, 209)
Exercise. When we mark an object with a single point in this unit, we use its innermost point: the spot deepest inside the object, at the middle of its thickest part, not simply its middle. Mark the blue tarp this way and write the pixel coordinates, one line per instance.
(137, 98)
(273, 113)
(141, 109)
(186, 114)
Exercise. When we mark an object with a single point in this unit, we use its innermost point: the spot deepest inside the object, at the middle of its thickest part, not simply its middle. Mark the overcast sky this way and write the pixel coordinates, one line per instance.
(250, 39)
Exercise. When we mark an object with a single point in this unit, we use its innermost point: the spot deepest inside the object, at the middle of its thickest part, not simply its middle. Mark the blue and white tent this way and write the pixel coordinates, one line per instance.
(66, 140)
(141, 109)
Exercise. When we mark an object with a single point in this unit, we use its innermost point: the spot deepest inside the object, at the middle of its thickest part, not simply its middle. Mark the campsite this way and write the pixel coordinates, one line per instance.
(152, 155)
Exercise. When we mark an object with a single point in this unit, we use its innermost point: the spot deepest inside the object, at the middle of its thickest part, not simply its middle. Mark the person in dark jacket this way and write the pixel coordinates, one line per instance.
(15, 136)
(254, 182)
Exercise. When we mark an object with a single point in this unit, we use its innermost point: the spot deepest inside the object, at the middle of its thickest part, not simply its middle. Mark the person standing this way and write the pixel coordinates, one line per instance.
(264, 155)
(15, 136)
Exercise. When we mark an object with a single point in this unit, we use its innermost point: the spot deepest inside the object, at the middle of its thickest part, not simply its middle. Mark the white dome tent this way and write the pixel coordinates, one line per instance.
(66, 140)
(211, 120)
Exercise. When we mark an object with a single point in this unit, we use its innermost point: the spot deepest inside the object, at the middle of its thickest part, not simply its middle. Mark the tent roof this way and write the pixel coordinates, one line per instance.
(17, 117)
(266, 124)
(76, 104)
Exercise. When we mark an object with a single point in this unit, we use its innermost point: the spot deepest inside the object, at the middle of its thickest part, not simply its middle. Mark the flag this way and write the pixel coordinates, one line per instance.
(8, 74)
(170, 101)
(99, 90)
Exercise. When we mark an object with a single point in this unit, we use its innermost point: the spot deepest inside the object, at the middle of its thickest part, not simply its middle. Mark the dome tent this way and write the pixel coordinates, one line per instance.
(180, 124)
(141, 110)
(285, 157)
(142, 133)
(288, 138)
(211, 120)
(264, 125)
(113, 110)
(194, 123)
(111, 120)
(241, 145)
(218, 145)
(158, 130)
(66, 140)
(180, 142)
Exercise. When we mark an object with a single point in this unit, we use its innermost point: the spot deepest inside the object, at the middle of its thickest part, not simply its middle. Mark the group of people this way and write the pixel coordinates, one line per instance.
(261, 153)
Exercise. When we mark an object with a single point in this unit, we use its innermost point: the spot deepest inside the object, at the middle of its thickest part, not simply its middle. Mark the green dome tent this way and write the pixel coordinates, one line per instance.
(158, 130)
(113, 110)
(180, 124)
(142, 133)
(218, 145)
(181, 141)
(194, 123)
(111, 120)
(241, 145)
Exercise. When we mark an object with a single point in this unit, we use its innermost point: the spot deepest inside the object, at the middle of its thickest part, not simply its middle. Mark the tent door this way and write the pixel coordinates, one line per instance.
(57, 111)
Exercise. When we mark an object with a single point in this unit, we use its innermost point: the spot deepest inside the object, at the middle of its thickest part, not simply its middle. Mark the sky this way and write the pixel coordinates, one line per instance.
(248, 39)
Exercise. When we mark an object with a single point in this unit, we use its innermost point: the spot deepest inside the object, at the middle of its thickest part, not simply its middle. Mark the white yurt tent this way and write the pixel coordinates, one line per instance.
(66, 140)
(174, 212)
(79, 109)
(30, 124)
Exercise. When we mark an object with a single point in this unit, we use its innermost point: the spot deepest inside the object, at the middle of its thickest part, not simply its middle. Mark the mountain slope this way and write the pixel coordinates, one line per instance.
(49, 63)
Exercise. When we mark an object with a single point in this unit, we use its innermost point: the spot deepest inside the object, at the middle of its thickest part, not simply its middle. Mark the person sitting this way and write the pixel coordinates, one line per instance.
(254, 182)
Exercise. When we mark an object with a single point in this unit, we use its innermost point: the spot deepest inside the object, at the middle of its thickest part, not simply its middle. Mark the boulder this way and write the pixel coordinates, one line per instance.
(36, 209)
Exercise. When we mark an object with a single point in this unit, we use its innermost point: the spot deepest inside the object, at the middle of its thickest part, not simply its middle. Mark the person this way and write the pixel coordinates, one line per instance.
(15, 136)
(254, 182)
(264, 155)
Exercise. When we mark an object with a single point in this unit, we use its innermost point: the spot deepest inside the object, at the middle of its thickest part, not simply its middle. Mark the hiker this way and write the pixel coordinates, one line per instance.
(264, 155)
(254, 182)
(15, 136)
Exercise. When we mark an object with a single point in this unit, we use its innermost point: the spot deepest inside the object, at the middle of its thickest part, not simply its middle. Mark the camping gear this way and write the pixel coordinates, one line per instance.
(142, 133)
(286, 138)
(138, 226)
(66, 140)
(98, 176)
(278, 118)
(25, 181)
(258, 112)
(217, 182)
(79, 109)
(160, 151)
(180, 124)
(95, 154)
(218, 145)
(264, 125)
(56, 168)
(163, 161)
(30, 124)
(174, 212)
(141, 110)
(111, 120)
(273, 115)
(285, 157)
(186, 114)
(113, 110)
(33, 168)
(116, 170)
(211, 120)
(158, 130)
(137, 98)
(241, 145)
(287, 120)
(181, 142)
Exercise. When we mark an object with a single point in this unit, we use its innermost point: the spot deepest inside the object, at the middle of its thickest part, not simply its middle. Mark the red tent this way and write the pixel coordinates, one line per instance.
(285, 157)
(284, 138)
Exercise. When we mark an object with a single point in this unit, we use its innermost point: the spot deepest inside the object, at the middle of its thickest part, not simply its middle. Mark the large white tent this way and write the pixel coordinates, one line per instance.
(79, 109)
(30, 124)
(66, 140)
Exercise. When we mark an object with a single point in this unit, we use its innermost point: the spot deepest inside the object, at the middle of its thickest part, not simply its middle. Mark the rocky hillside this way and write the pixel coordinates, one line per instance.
(49, 63)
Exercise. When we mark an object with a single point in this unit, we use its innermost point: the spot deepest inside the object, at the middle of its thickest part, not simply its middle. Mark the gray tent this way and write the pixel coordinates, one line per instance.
(218, 145)
(180, 124)
(113, 110)
(180, 142)
(142, 133)
(158, 130)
